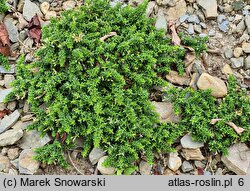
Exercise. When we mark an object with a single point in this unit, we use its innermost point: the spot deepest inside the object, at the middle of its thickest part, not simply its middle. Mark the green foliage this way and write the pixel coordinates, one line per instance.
(82, 87)
(100, 90)
(4, 62)
(3, 6)
(198, 108)
(196, 42)
(51, 154)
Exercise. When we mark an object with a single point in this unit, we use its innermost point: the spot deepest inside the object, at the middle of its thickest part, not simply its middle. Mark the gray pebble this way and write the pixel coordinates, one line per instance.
(245, 12)
(221, 18)
(202, 35)
(224, 26)
(247, 63)
(237, 62)
(186, 166)
(212, 32)
(183, 18)
(197, 28)
(193, 19)
(207, 173)
(228, 53)
(191, 29)
(203, 25)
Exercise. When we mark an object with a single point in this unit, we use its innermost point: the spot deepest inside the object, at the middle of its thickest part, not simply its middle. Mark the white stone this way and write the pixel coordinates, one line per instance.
(174, 162)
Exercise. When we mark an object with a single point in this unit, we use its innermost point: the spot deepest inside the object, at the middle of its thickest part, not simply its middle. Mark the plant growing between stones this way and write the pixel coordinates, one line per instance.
(198, 108)
(82, 87)
(99, 90)
(3, 6)
(196, 42)
(4, 62)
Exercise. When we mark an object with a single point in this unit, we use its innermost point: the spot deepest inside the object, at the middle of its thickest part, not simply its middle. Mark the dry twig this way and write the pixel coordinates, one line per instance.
(71, 161)
(107, 36)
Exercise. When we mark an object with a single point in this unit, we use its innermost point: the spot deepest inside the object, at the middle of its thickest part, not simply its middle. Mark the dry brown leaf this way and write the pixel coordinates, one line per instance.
(213, 121)
(64, 137)
(4, 112)
(107, 36)
(175, 38)
(4, 36)
(34, 29)
(4, 41)
(237, 129)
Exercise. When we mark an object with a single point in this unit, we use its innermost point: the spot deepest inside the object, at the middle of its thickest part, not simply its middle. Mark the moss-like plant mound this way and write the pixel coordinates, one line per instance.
(99, 89)
(85, 86)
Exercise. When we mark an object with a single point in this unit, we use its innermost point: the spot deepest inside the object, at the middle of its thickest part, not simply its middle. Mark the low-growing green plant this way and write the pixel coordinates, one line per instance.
(198, 108)
(99, 90)
(81, 86)
(4, 62)
(3, 6)
(196, 42)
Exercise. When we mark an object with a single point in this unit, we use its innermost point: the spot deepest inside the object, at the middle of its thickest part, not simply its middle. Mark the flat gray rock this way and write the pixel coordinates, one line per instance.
(224, 26)
(193, 19)
(238, 159)
(183, 18)
(237, 62)
(32, 139)
(27, 165)
(209, 7)
(8, 121)
(4, 163)
(4, 93)
(95, 155)
(145, 168)
(186, 166)
(10, 137)
(30, 9)
(247, 22)
(228, 53)
(247, 63)
(165, 111)
(161, 22)
(11, 28)
(188, 143)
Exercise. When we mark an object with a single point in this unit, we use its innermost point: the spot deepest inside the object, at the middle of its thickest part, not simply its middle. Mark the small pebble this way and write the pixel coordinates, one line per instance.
(245, 12)
(183, 18)
(212, 32)
(191, 29)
